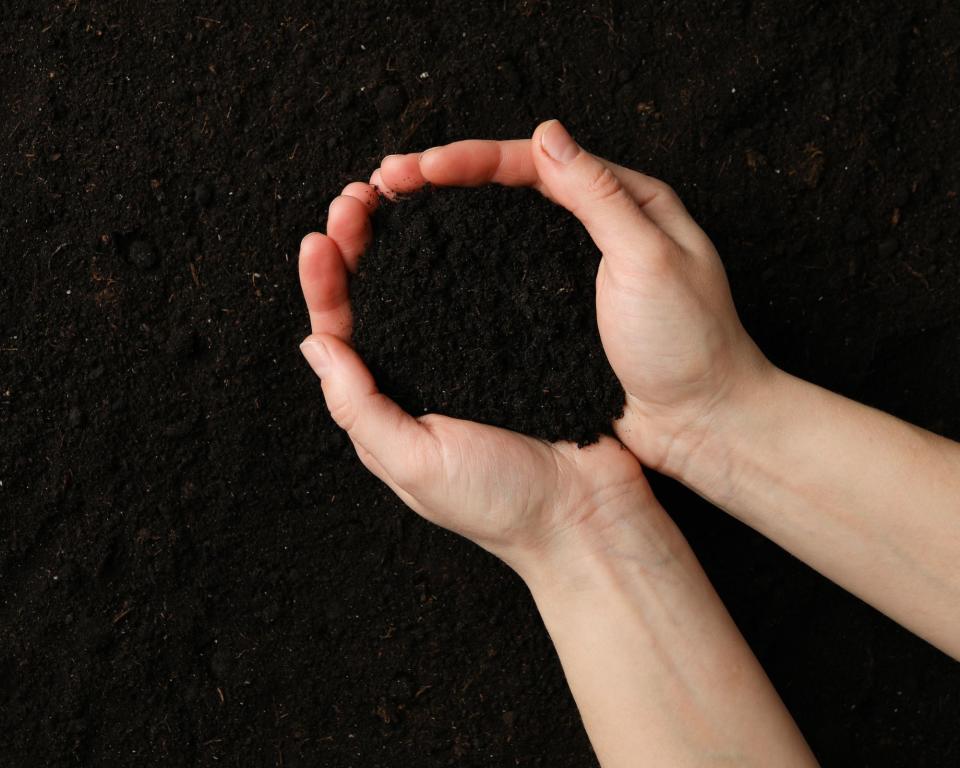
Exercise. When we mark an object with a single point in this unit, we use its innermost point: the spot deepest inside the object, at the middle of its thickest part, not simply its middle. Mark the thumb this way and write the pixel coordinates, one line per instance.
(378, 427)
(587, 187)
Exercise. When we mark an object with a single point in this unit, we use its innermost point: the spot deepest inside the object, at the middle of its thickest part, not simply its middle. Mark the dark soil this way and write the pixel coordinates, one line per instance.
(479, 304)
(195, 571)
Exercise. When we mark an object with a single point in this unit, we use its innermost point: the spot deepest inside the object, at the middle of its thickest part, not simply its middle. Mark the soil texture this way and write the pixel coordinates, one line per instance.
(479, 304)
(195, 570)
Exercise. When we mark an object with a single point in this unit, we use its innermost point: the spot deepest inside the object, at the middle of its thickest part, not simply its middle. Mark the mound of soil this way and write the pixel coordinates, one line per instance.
(479, 304)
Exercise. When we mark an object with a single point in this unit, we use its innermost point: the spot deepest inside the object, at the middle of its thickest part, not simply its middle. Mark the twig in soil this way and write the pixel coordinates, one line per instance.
(417, 111)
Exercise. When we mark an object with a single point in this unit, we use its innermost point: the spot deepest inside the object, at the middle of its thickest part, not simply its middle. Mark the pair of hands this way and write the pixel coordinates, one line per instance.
(666, 320)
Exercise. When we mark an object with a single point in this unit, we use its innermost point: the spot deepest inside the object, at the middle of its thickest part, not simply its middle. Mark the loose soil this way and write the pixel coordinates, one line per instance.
(479, 304)
(194, 568)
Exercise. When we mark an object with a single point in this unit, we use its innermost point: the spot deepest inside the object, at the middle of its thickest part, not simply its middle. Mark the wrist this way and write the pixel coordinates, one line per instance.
(700, 445)
(627, 538)
(713, 456)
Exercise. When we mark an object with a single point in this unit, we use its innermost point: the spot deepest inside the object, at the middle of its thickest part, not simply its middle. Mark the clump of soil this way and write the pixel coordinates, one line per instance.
(479, 304)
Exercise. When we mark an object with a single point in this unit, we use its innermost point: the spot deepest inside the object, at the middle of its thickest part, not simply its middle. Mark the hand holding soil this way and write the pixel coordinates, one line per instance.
(827, 479)
(666, 317)
(610, 572)
(523, 499)
(580, 525)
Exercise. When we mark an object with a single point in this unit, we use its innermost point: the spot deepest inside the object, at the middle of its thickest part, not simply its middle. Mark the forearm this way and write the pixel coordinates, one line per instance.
(868, 500)
(659, 671)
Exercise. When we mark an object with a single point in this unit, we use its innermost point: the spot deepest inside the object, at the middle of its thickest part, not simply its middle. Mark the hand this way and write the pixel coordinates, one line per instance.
(655, 663)
(527, 501)
(664, 309)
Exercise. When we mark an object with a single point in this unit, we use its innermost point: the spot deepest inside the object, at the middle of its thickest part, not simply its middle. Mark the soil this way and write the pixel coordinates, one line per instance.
(479, 304)
(194, 570)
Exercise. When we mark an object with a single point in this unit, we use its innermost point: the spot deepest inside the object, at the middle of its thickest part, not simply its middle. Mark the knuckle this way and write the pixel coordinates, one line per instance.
(670, 195)
(433, 453)
(416, 472)
(604, 184)
(342, 412)
(432, 421)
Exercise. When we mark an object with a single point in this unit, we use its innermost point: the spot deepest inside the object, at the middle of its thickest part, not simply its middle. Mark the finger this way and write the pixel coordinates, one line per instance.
(595, 194)
(402, 173)
(323, 279)
(377, 182)
(475, 162)
(401, 446)
(348, 223)
(365, 193)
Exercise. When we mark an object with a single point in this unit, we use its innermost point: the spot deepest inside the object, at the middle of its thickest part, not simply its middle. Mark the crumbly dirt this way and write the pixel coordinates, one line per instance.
(479, 304)
(194, 568)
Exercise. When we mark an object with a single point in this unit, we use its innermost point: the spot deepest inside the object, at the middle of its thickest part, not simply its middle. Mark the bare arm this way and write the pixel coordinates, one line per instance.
(660, 673)
(868, 500)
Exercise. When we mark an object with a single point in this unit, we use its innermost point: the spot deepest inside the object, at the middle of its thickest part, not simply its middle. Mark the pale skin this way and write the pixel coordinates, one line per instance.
(659, 671)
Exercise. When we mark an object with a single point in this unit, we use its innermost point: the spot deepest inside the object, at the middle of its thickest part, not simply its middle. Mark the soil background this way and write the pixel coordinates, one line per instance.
(195, 571)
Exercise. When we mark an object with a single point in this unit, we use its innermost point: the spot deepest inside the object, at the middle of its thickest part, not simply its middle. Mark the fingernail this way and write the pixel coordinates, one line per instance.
(428, 151)
(558, 144)
(317, 356)
(387, 158)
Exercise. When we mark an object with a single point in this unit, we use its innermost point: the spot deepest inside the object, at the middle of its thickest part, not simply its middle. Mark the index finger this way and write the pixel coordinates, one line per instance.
(469, 163)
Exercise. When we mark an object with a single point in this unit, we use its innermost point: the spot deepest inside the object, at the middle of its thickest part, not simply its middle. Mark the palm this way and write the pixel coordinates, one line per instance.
(503, 489)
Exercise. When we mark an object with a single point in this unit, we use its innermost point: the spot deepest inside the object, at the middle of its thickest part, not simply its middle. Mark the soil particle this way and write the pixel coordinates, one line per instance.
(221, 664)
(74, 417)
(856, 230)
(389, 102)
(142, 255)
(901, 196)
(181, 344)
(203, 195)
(401, 689)
(888, 247)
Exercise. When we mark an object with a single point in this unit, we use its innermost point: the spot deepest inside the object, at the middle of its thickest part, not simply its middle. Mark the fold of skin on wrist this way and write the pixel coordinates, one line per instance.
(660, 672)
(870, 501)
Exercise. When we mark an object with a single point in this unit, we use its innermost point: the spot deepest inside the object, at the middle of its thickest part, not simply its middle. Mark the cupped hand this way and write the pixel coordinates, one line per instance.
(664, 309)
(527, 501)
